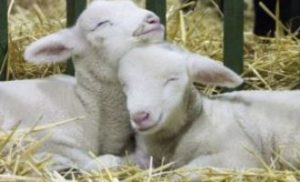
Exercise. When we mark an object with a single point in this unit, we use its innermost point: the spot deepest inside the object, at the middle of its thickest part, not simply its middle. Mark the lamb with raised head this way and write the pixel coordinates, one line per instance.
(175, 123)
(102, 34)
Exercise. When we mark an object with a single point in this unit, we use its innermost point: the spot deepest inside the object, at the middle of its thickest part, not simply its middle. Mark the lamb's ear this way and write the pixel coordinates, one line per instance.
(56, 47)
(207, 71)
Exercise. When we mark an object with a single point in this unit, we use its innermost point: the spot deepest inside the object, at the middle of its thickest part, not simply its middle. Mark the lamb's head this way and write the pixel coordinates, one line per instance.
(107, 28)
(157, 82)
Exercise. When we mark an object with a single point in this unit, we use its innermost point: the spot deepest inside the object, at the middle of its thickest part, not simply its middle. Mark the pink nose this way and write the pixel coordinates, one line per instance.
(140, 117)
(152, 19)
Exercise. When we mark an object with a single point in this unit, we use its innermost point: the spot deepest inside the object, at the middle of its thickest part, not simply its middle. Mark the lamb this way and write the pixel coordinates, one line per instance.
(176, 123)
(102, 34)
(44, 101)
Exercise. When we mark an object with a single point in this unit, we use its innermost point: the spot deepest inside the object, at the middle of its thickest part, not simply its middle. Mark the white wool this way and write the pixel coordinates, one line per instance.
(103, 33)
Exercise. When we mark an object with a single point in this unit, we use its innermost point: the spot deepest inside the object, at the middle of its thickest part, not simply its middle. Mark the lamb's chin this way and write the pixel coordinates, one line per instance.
(147, 129)
(151, 37)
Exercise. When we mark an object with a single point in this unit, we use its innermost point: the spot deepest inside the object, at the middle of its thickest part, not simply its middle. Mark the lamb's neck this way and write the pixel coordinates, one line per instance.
(95, 82)
(163, 143)
(193, 108)
(99, 92)
(95, 69)
(102, 97)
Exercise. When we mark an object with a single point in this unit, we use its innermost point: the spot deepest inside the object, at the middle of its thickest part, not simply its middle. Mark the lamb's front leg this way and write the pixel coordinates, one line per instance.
(104, 162)
(230, 160)
(138, 157)
(65, 158)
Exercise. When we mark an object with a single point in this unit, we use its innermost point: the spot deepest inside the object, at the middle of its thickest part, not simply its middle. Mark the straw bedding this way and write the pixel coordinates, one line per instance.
(271, 64)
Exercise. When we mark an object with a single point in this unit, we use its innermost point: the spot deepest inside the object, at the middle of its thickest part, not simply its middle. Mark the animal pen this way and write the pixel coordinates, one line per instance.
(233, 48)
(238, 50)
(233, 30)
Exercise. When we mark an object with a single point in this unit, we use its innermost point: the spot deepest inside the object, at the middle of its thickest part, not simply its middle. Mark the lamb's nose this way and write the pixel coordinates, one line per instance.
(152, 19)
(140, 117)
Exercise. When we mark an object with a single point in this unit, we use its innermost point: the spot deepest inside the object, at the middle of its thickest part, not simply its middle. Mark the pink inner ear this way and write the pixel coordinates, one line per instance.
(52, 50)
(213, 77)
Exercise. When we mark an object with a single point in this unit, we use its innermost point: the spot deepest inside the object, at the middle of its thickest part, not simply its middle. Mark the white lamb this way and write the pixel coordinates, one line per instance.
(102, 34)
(175, 122)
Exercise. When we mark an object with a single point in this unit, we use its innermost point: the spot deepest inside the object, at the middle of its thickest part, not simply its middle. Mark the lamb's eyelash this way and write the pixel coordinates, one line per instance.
(100, 24)
(171, 79)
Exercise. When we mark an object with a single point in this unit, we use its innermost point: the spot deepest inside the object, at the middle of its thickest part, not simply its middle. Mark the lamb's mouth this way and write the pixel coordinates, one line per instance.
(154, 125)
(157, 28)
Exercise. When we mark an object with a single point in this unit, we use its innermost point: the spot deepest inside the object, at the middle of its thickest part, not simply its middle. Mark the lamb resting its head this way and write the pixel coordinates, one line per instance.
(158, 89)
(105, 28)
(176, 123)
(102, 34)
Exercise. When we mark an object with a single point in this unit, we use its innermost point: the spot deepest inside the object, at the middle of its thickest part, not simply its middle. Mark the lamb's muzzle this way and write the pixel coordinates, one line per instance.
(151, 25)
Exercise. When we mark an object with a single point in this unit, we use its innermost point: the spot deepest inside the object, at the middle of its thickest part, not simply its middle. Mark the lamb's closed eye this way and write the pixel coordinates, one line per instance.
(171, 79)
(100, 24)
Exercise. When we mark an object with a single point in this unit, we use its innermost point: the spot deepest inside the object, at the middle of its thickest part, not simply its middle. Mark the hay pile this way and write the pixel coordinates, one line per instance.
(269, 64)
(27, 24)
(18, 164)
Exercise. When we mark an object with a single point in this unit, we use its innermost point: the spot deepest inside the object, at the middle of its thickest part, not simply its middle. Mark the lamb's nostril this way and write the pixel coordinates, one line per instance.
(151, 19)
(140, 117)
(154, 21)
